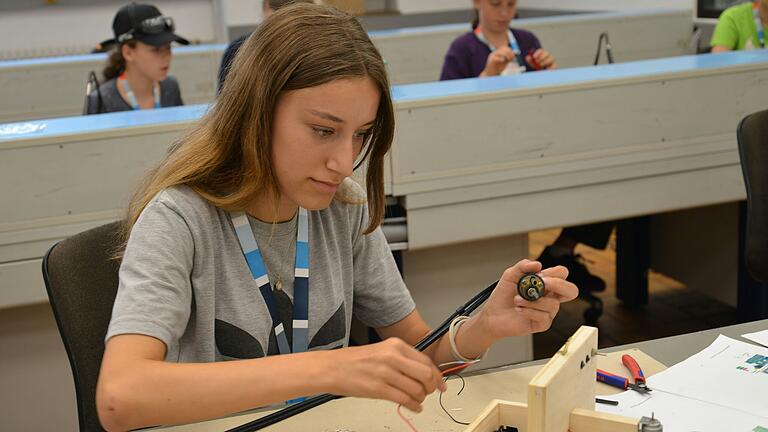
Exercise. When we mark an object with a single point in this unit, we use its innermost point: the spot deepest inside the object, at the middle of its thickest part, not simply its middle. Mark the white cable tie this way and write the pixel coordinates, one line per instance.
(453, 330)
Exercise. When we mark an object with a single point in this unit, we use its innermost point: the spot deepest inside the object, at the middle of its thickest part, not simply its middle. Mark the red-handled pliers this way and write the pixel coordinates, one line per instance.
(623, 383)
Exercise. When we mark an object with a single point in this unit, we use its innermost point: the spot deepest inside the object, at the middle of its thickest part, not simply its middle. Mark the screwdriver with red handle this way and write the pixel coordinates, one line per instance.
(622, 382)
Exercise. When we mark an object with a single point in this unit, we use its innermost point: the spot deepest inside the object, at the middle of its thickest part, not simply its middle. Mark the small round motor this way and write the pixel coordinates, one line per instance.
(531, 287)
(650, 424)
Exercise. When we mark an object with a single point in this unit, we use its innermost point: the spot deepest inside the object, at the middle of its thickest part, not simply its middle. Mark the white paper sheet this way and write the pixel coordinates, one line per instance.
(725, 373)
(760, 337)
(723, 387)
(680, 414)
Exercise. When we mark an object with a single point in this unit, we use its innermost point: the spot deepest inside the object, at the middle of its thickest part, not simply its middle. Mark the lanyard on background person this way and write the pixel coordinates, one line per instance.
(300, 284)
(513, 45)
(758, 23)
(132, 97)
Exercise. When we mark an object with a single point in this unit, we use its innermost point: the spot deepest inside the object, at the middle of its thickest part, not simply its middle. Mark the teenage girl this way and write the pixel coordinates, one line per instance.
(136, 74)
(249, 243)
(494, 48)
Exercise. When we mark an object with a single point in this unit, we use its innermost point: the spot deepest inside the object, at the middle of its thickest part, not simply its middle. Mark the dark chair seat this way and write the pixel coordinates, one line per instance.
(753, 150)
(81, 279)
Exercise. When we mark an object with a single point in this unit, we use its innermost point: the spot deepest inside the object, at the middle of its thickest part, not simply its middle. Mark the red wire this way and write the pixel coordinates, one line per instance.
(458, 368)
(405, 419)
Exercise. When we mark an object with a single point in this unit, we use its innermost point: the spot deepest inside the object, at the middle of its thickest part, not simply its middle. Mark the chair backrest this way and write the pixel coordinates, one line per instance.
(752, 136)
(81, 280)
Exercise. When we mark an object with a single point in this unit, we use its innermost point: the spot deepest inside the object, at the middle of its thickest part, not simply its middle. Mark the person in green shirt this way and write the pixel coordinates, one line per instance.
(741, 27)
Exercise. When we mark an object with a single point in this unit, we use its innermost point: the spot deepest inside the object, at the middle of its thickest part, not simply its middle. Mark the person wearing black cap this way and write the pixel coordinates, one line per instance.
(136, 73)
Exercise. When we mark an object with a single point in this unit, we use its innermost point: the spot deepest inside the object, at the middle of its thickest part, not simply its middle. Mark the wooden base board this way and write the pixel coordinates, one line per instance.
(561, 396)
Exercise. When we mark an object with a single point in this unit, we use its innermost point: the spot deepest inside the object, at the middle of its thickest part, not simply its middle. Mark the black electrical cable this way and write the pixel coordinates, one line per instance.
(608, 48)
(440, 398)
(467, 309)
(315, 401)
(100, 106)
(93, 83)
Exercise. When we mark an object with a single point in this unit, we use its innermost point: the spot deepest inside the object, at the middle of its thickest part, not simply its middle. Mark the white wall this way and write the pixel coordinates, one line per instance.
(76, 28)
(241, 12)
(70, 29)
(605, 5)
(416, 6)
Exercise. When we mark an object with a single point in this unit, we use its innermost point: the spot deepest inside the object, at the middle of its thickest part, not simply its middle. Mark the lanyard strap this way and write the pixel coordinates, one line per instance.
(300, 283)
(132, 97)
(758, 24)
(513, 45)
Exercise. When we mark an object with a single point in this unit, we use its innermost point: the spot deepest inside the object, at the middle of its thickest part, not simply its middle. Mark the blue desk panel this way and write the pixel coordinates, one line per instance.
(562, 77)
(419, 92)
(101, 122)
(101, 57)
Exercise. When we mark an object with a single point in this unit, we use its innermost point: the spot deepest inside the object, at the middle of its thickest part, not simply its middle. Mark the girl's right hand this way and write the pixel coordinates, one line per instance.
(497, 61)
(391, 370)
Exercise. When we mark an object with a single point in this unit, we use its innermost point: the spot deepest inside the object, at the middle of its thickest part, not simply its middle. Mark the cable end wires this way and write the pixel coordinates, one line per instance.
(451, 369)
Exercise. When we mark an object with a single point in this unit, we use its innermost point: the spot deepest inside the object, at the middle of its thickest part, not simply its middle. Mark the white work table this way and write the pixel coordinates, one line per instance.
(506, 383)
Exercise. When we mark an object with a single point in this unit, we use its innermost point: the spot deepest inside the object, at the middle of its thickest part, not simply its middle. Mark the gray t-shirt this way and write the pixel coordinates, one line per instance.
(111, 101)
(184, 279)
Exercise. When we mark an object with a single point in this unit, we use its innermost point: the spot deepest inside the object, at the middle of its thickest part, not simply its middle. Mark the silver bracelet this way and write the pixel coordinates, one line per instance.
(453, 329)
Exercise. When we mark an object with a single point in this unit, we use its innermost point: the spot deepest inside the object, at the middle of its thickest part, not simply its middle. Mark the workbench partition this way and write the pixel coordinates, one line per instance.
(55, 87)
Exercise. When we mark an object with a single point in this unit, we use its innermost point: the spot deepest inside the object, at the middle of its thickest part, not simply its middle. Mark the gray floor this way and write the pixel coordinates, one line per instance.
(37, 392)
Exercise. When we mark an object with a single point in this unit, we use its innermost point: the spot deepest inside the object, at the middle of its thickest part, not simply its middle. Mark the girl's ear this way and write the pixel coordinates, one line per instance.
(127, 52)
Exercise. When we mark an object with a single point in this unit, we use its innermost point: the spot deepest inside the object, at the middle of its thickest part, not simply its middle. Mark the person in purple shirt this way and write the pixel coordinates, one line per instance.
(493, 48)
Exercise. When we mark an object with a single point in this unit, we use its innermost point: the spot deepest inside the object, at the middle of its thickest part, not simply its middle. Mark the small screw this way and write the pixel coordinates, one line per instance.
(531, 287)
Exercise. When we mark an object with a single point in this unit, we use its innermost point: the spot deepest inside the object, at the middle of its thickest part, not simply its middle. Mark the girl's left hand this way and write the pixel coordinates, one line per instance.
(543, 58)
(508, 314)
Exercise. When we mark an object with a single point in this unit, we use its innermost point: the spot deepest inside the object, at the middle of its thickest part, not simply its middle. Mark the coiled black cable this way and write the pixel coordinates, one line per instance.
(608, 48)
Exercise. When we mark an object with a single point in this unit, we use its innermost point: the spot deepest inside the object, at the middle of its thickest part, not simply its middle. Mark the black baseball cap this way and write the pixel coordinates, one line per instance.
(143, 23)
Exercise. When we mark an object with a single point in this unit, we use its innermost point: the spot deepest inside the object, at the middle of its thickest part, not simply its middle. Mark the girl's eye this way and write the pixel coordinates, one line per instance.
(363, 135)
(323, 132)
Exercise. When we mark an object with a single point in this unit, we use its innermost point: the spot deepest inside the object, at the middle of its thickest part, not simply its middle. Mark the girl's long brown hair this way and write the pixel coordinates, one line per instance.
(226, 157)
(115, 61)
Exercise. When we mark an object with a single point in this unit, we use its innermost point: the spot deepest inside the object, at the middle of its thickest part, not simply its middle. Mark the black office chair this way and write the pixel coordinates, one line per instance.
(753, 149)
(81, 280)
(752, 135)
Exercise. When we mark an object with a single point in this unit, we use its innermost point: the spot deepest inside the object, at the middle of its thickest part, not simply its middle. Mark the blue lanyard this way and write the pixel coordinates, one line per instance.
(513, 45)
(300, 283)
(132, 97)
(758, 24)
